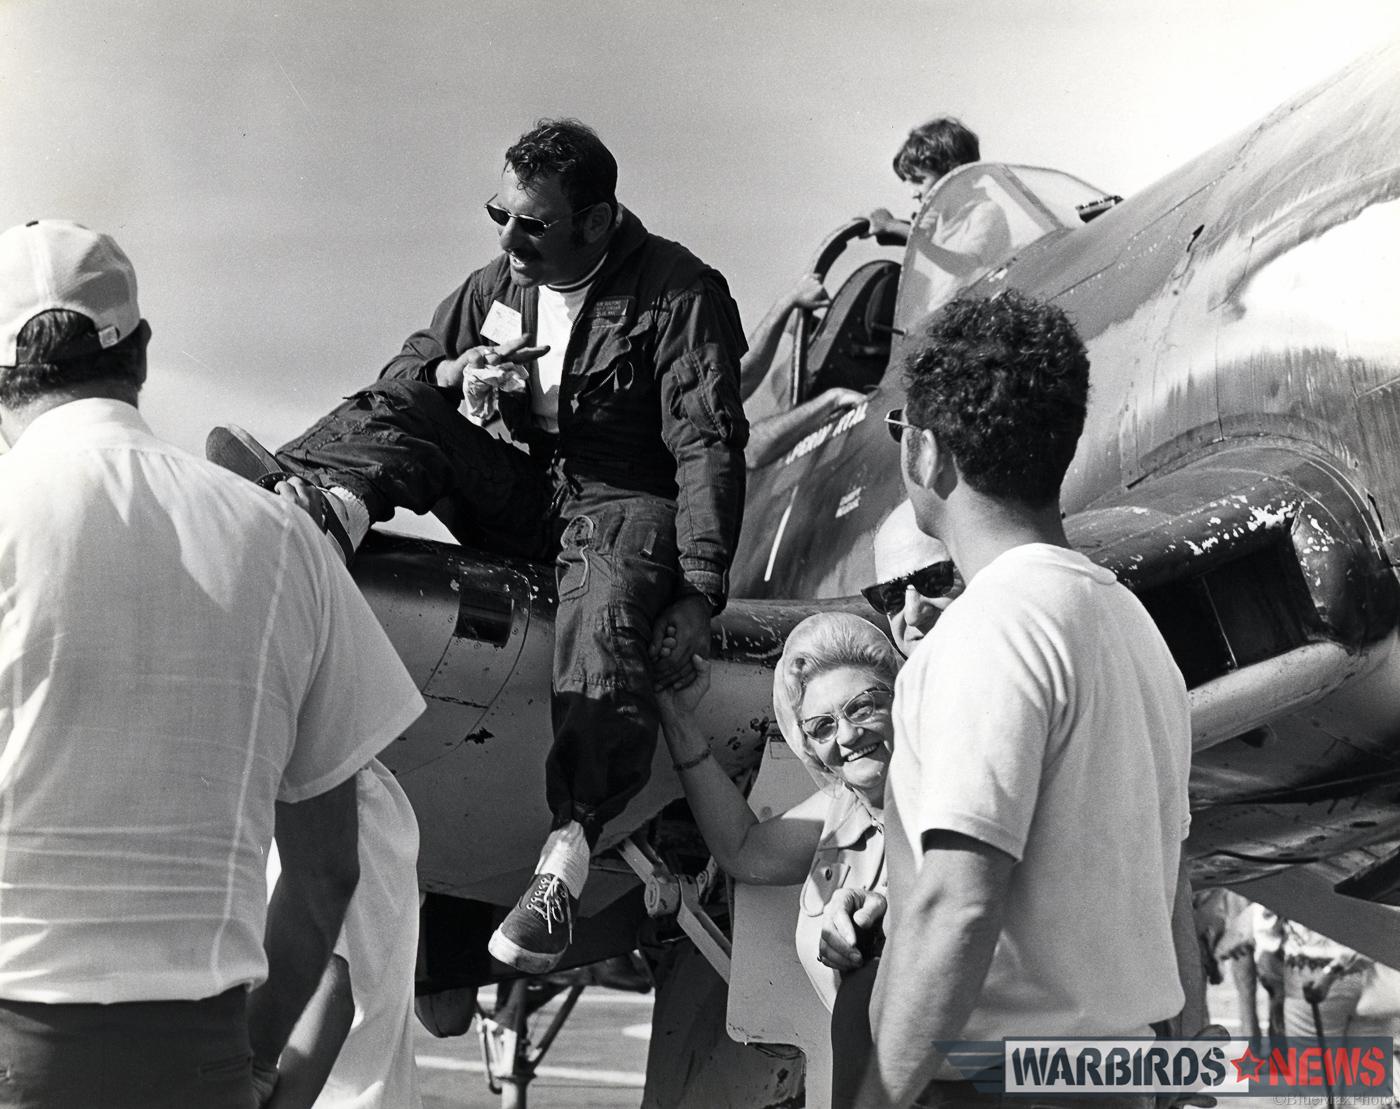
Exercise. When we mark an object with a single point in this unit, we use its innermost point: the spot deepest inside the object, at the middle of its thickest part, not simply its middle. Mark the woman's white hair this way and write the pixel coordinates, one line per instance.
(824, 642)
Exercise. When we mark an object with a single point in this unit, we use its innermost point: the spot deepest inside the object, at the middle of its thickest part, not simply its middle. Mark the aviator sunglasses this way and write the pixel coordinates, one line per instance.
(895, 423)
(531, 226)
(887, 597)
(860, 709)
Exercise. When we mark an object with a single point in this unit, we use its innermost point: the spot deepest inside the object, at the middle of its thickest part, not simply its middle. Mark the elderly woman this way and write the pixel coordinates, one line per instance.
(832, 693)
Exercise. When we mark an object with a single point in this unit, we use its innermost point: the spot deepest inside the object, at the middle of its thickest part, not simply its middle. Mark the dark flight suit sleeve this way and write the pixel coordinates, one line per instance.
(703, 425)
(454, 328)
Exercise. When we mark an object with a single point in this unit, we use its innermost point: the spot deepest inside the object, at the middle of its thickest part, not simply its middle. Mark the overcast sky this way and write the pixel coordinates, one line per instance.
(299, 183)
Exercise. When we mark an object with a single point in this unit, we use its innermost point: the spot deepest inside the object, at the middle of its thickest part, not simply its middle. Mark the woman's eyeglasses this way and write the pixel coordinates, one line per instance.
(887, 597)
(531, 226)
(860, 709)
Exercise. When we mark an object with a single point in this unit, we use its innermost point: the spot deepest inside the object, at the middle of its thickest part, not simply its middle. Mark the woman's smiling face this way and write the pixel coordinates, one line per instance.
(845, 715)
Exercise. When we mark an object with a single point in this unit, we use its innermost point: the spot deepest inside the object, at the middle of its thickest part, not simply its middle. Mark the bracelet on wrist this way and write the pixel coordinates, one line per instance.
(691, 764)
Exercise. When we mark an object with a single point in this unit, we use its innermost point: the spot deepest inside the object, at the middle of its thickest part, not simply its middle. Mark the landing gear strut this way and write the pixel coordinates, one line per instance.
(511, 1059)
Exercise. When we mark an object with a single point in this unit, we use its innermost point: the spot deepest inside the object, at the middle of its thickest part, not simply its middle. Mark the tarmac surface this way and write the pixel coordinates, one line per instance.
(598, 1060)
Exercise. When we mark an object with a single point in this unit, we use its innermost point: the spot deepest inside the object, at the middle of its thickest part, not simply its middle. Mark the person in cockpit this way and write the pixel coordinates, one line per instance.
(973, 235)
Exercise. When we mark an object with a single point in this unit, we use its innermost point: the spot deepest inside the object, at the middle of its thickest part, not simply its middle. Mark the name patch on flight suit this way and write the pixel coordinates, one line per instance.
(502, 323)
(611, 308)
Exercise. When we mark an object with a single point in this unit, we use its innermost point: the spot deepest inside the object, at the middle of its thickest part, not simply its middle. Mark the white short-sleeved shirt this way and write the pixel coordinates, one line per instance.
(1045, 716)
(178, 649)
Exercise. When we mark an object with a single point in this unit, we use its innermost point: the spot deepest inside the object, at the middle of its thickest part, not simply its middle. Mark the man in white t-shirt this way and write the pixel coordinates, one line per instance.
(1042, 732)
(180, 651)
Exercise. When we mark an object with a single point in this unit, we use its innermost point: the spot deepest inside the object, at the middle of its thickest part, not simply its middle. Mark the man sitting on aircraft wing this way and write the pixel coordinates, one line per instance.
(1042, 733)
(611, 356)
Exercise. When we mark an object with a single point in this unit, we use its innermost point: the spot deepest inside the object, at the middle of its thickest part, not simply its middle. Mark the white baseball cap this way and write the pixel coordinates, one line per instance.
(901, 547)
(49, 263)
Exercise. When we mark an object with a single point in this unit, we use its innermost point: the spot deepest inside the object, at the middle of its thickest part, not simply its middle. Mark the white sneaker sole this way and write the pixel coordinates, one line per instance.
(505, 950)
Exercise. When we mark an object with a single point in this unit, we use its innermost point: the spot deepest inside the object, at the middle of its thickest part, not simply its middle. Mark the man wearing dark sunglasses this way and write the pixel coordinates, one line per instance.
(1042, 735)
(610, 358)
(915, 578)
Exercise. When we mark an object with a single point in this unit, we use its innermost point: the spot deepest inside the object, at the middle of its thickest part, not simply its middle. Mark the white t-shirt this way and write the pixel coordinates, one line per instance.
(1044, 716)
(975, 237)
(379, 941)
(178, 649)
(557, 309)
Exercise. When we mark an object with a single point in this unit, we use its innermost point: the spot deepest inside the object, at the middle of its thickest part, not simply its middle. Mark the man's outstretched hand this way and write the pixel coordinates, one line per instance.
(681, 632)
(481, 371)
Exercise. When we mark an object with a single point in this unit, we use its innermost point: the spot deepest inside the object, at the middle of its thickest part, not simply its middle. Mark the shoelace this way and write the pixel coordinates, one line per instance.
(551, 901)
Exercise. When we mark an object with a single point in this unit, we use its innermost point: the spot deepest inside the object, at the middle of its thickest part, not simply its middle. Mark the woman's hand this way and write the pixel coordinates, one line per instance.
(849, 916)
(677, 704)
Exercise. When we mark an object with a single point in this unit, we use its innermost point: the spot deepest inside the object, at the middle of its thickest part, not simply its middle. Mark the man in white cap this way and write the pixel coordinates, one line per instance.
(914, 578)
(180, 651)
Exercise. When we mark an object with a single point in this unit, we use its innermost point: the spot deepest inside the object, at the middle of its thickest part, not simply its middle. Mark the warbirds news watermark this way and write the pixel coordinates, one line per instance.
(1358, 1068)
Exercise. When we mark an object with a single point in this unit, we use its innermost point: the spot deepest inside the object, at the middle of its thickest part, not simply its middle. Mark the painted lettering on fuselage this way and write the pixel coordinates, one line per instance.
(850, 501)
(810, 442)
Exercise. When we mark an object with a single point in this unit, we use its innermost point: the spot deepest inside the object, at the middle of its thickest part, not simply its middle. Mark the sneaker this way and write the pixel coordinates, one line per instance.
(234, 449)
(535, 934)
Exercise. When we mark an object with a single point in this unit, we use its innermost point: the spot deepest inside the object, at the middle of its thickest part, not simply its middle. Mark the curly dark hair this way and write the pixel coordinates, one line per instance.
(1003, 384)
(59, 350)
(934, 148)
(586, 168)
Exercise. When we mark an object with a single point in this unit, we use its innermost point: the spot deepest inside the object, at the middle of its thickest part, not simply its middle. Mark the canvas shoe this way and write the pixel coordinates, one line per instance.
(234, 449)
(535, 934)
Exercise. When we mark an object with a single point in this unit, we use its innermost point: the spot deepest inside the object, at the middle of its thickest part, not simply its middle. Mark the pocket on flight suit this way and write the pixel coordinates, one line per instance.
(572, 568)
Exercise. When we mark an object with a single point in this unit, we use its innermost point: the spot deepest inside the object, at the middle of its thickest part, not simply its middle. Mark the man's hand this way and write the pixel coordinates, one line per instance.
(881, 221)
(848, 915)
(841, 400)
(809, 293)
(885, 228)
(480, 371)
(678, 702)
(304, 495)
(680, 633)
